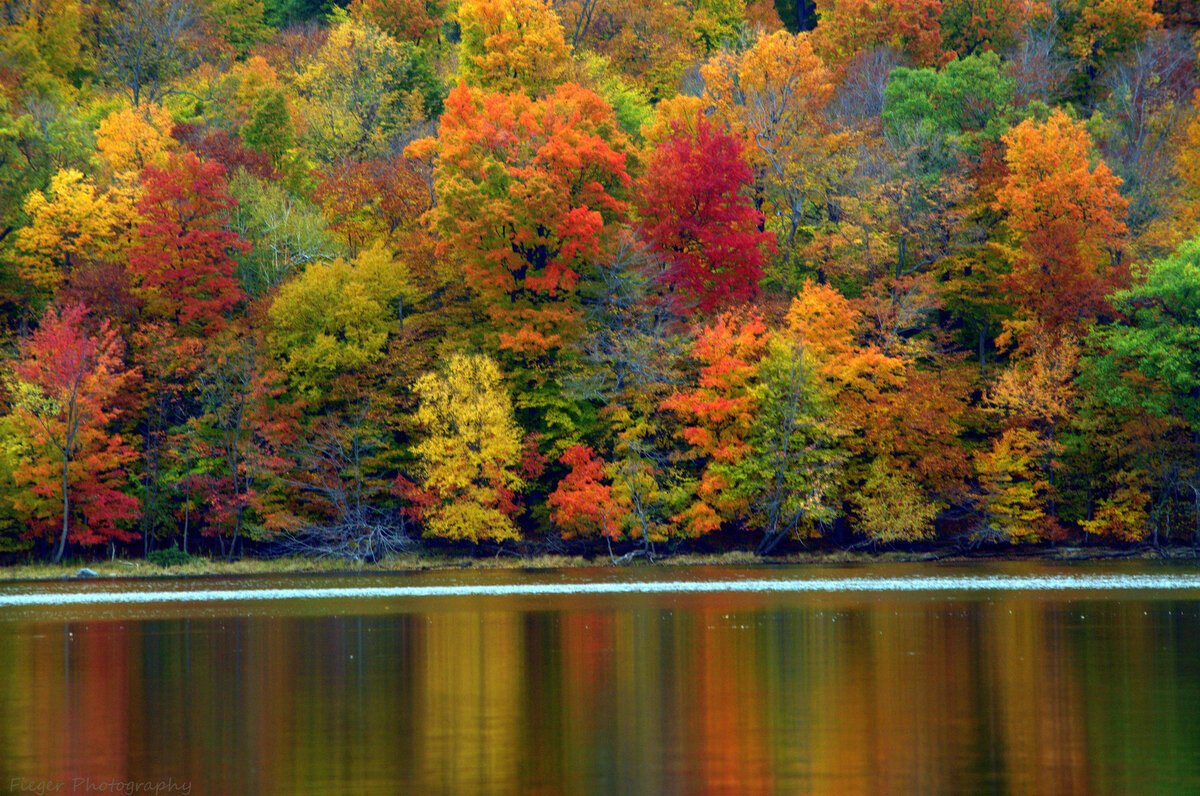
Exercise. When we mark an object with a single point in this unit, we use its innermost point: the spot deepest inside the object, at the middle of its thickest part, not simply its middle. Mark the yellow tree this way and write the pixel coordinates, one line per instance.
(130, 139)
(512, 45)
(899, 419)
(470, 450)
(70, 221)
(650, 42)
(335, 318)
(852, 26)
(774, 95)
(1035, 396)
(363, 90)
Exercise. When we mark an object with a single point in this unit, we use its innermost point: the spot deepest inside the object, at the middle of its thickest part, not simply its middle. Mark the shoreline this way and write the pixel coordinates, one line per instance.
(200, 567)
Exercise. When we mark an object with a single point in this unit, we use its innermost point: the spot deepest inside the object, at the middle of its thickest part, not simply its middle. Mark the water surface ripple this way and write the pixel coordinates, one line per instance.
(850, 585)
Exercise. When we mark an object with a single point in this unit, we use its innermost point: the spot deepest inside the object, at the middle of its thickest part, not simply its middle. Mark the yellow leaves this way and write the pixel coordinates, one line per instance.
(362, 89)
(1124, 514)
(335, 317)
(512, 45)
(129, 139)
(1041, 386)
(774, 95)
(471, 446)
(823, 320)
(71, 221)
(1012, 487)
(892, 506)
(678, 114)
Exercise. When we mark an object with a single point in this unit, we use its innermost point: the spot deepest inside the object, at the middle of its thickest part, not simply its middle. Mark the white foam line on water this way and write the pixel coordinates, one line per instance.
(925, 584)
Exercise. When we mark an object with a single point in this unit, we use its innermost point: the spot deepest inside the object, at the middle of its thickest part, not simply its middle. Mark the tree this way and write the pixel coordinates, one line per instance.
(1012, 487)
(145, 44)
(584, 501)
(697, 217)
(1098, 30)
(363, 92)
(775, 97)
(380, 198)
(651, 43)
(469, 451)
(530, 193)
(336, 317)
(1157, 338)
(287, 233)
(1067, 218)
(892, 506)
(969, 27)
(629, 364)
(848, 27)
(1147, 363)
(269, 128)
(65, 387)
(70, 222)
(512, 45)
(405, 20)
(719, 411)
(948, 111)
(791, 474)
(182, 253)
(130, 139)
(1140, 126)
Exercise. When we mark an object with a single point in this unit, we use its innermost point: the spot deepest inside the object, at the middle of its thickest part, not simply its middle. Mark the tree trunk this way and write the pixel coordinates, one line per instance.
(66, 525)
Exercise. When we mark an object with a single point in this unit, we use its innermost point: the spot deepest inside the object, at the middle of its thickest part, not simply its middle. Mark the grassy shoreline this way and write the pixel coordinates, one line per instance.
(208, 567)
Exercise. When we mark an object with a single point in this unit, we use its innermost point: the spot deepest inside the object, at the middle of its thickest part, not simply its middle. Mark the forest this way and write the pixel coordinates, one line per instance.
(614, 276)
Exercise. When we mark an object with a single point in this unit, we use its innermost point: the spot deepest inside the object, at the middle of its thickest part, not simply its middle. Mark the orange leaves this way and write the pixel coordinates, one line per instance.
(1068, 220)
(851, 26)
(65, 391)
(529, 195)
(721, 408)
(584, 501)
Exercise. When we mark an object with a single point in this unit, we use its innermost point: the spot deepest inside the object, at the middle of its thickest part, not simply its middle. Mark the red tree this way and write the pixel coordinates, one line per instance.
(64, 401)
(697, 216)
(584, 502)
(182, 254)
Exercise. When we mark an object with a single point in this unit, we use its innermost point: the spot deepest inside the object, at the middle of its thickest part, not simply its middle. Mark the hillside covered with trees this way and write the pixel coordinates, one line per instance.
(277, 275)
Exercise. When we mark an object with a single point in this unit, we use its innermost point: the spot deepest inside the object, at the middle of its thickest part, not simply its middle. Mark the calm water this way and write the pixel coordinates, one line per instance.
(1022, 687)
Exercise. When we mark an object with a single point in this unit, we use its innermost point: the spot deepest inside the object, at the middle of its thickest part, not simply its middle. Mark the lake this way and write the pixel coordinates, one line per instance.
(1013, 678)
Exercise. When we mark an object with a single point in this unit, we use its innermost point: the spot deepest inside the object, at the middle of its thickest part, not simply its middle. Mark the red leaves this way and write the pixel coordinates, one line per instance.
(182, 255)
(66, 389)
(698, 219)
(583, 502)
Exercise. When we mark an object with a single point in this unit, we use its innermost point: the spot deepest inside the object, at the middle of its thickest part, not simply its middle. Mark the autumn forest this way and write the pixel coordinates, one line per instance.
(616, 277)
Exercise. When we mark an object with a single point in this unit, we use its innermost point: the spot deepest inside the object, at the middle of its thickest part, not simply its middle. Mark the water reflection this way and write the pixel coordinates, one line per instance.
(700, 693)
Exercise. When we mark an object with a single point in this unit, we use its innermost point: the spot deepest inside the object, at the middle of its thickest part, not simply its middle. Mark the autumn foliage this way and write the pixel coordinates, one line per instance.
(698, 218)
(621, 278)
